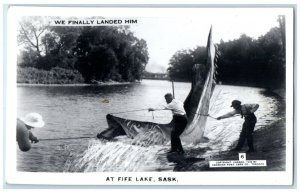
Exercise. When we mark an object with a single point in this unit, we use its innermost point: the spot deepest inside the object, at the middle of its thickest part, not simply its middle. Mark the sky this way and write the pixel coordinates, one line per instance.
(168, 34)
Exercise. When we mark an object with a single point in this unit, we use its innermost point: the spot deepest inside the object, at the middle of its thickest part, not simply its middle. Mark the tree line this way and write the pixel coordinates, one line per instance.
(62, 54)
(97, 53)
(243, 61)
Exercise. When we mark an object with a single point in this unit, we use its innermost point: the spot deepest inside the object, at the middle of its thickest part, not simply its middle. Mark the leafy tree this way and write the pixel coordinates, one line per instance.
(274, 57)
(42, 43)
(110, 53)
(31, 31)
(99, 53)
(182, 62)
(61, 42)
(243, 61)
(180, 65)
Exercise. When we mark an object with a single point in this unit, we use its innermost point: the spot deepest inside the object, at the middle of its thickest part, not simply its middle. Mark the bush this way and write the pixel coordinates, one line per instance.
(55, 76)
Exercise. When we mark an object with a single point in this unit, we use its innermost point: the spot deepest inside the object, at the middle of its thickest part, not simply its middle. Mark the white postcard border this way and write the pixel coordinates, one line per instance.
(184, 178)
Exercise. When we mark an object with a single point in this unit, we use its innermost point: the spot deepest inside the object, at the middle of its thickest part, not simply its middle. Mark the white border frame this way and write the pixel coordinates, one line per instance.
(185, 178)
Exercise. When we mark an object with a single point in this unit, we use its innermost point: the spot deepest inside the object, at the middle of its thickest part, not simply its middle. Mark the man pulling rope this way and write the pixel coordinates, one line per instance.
(179, 120)
(246, 111)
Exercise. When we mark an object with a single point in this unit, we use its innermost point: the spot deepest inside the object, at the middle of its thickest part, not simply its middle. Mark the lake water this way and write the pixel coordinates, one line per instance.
(80, 111)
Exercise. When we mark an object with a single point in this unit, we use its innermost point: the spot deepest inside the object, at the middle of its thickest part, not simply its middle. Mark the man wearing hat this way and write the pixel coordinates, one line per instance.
(247, 112)
(179, 120)
(24, 126)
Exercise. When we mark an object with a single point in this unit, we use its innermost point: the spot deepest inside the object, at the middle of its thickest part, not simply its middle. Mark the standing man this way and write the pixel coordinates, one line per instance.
(24, 126)
(247, 112)
(179, 120)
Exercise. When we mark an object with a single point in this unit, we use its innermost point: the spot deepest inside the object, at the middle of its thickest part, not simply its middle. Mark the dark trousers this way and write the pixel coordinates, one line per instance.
(247, 132)
(180, 123)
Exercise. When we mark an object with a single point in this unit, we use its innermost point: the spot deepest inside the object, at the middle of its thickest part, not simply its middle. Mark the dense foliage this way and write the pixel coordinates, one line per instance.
(110, 53)
(181, 63)
(244, 61)
(98, 53)
(256, 62)
(54, 76)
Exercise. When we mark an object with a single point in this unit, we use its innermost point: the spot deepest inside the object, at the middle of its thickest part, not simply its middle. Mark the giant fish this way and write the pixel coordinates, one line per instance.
(196, 106)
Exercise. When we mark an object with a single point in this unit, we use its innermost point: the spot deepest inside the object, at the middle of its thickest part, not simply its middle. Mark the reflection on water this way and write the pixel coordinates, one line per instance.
(79, 111)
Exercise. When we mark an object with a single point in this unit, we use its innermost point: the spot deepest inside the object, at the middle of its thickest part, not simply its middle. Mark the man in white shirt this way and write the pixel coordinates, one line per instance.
(247, 112)
(179, 120)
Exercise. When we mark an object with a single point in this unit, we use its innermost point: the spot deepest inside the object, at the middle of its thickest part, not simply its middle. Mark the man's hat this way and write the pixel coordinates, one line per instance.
(235, 103)
(168, 95)
(33, 120)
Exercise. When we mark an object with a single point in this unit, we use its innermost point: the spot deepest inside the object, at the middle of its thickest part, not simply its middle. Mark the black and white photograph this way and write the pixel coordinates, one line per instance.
(150, 96)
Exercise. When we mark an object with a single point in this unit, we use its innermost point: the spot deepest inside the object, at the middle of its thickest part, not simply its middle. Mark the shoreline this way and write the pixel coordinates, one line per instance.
(79, 84)
(269, 144)
(108, 83)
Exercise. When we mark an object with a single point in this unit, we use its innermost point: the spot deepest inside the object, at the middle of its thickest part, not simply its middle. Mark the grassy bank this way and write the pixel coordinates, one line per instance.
(54, 76)
(58, 76)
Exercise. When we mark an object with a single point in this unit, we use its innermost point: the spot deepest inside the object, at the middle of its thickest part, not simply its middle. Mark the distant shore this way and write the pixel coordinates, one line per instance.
(108, 83)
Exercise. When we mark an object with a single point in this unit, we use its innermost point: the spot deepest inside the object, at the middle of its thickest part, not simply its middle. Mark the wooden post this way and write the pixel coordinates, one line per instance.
(173, 89)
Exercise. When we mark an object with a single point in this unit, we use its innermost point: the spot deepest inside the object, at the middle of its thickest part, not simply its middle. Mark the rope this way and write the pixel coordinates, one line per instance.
(212, 117)
(129, 111)
(207, 115)
(65, 138)
(159, 110)
(137, 111)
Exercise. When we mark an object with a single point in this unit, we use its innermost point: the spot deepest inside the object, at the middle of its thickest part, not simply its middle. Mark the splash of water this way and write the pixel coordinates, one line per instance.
(153, 136)
(138, 154)
(117, 156)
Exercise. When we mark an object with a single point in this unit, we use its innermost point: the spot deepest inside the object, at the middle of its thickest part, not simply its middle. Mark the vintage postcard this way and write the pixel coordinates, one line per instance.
(149, 95)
